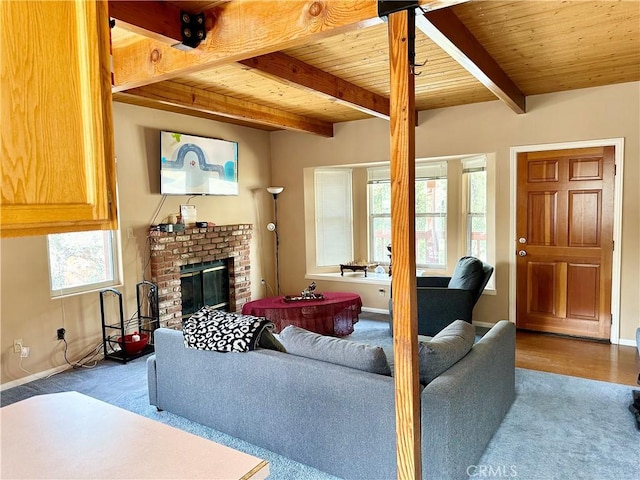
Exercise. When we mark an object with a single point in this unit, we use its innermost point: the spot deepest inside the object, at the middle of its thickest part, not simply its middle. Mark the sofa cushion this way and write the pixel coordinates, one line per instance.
(301, 342)
(437, 355)
(468, 274)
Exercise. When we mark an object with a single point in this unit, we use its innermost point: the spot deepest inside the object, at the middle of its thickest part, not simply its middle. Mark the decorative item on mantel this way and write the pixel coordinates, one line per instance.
(307, 295)
(359, 266)
(188, 214)
(168, 228)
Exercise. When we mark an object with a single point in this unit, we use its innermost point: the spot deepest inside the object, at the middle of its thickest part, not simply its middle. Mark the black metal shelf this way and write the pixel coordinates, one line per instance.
(121, 356)
(147, 298)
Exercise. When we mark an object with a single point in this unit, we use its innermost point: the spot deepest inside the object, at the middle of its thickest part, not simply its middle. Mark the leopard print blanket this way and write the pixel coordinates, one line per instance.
(210, 329)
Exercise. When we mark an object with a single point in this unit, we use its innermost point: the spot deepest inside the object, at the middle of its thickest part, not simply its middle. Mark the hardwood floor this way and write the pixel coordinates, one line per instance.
(577, 357)
(570, 356)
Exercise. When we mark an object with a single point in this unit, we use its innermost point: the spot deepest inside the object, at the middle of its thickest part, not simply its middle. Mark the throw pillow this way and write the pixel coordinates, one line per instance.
(467, 275)
(301, 342)
(445, 349)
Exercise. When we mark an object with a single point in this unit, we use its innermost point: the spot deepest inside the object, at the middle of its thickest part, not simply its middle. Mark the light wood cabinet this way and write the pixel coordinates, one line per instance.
(56, 135)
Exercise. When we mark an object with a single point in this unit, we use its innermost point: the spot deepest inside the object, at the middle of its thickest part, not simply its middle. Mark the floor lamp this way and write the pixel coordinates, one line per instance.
(273, 227)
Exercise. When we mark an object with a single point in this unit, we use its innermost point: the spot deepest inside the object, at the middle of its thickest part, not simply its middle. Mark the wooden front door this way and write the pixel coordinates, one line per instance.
(564, 241)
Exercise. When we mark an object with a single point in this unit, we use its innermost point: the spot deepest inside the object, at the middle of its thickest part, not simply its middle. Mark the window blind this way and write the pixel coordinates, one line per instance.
(334, 216)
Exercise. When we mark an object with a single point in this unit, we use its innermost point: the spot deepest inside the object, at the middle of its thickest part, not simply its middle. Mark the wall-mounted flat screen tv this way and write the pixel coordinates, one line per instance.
(193, 165)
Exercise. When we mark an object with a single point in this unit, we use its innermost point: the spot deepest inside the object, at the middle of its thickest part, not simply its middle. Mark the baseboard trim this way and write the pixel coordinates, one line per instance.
(52, 371)
(35, 376)
(382, 311)
(627, 342)
(483, 324)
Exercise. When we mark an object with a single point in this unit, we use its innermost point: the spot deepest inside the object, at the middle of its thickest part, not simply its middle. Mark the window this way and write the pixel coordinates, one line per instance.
(334, 217)
(431, 214)
(475, 181)
(351, 204)
(83, 261)
(379, 195)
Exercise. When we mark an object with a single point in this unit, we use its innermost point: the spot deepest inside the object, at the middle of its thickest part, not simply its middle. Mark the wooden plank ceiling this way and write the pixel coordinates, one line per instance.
(328, 61)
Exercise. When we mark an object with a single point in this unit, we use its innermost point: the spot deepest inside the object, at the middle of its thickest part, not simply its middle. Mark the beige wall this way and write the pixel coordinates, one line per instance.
(28, 313)
(587, 114)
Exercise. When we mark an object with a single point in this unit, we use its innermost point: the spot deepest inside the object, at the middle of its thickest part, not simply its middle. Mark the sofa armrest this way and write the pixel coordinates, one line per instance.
(463, 407)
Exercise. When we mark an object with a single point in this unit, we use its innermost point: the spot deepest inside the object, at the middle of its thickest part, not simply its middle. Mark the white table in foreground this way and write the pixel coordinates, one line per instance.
(70, 435)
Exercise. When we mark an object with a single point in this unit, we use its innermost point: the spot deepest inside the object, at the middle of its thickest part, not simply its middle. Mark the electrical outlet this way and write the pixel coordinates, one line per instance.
(17, 346)
(24, 353)
(130, 233)
(60, 332)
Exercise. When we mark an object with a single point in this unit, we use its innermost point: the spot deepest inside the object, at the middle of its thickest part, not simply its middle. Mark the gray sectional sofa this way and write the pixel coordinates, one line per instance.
(338, 419)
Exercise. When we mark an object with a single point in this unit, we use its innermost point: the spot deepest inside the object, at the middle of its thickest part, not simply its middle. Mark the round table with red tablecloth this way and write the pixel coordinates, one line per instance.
(334, 315)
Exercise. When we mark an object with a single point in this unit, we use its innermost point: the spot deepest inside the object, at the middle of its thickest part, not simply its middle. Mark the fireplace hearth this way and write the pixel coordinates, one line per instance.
(218, 256)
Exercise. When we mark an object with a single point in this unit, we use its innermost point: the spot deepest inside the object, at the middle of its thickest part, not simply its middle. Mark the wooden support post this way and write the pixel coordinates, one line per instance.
(405, 325)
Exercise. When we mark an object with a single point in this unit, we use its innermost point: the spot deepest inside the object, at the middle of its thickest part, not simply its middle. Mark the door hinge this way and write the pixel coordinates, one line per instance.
(615, 169)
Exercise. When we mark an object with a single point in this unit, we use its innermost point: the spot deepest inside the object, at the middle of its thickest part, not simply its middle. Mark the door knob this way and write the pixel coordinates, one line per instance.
(522, 253)
(522, 240)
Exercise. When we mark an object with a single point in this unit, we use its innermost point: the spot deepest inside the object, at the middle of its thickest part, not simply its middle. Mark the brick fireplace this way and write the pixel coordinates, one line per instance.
(171, 251)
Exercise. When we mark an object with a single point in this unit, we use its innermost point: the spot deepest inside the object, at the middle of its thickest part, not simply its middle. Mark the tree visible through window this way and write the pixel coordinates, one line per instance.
(476, 212)
(431, 222)
(431, 214)
(454, 213)
(380, 220)
(82, 261)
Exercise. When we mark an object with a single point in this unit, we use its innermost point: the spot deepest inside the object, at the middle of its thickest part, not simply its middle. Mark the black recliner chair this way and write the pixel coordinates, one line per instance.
(442, 300)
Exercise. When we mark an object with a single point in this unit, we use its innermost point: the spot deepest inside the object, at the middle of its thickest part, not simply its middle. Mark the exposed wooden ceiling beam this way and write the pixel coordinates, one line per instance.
(183, 97)
(157, 20)
(446, 30)
(143, 102)
(241, 30)
(244, 29)
(294, 72)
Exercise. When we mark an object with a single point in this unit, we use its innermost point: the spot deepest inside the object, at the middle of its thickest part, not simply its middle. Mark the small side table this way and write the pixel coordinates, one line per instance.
(353, 268)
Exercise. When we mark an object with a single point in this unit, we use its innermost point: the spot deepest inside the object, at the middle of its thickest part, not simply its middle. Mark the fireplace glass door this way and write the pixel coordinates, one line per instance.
(204, 284)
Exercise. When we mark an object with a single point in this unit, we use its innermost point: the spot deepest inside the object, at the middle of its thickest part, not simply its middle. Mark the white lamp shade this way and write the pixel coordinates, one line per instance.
(275, 190)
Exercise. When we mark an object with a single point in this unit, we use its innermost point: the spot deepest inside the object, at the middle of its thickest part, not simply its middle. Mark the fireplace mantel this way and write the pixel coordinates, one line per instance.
(172, 250)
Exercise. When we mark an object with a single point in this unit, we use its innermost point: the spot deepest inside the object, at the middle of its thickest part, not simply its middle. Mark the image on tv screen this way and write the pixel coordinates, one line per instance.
(193, 165)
